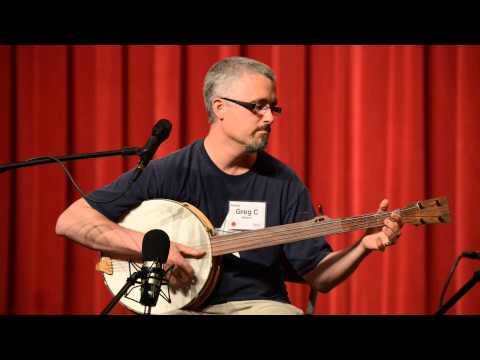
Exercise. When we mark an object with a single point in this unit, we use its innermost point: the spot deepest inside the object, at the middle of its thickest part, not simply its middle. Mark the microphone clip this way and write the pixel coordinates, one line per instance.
(160, 133)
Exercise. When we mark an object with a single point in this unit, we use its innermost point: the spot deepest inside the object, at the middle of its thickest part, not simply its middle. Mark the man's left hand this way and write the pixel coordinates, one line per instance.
(381, 237)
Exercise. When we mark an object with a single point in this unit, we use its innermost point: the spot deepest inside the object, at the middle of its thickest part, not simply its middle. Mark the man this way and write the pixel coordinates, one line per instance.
(229, 169)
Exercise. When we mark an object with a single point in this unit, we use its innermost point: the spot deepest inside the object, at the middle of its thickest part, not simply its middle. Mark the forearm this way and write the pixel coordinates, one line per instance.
(336, 267)
(83, 224)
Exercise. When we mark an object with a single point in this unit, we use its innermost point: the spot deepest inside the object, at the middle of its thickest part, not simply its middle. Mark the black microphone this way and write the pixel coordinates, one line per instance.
(471, 254)
(155, 248)
(160, 133)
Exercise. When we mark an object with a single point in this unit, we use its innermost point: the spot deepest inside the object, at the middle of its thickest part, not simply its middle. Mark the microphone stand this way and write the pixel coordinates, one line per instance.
(464, 289)
(130, 281)
(45, 160)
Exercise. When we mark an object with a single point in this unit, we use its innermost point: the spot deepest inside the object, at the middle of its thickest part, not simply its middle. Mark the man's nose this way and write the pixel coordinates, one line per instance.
(268, 116)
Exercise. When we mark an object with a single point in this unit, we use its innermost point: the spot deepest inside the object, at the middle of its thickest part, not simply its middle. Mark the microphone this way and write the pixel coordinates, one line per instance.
(155, 248)
(160, 133)
(471, 254)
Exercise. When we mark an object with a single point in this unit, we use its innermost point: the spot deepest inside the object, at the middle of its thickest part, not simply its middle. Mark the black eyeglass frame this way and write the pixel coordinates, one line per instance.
(254, 107)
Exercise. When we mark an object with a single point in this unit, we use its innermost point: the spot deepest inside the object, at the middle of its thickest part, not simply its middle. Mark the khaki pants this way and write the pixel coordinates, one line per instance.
(246, 307)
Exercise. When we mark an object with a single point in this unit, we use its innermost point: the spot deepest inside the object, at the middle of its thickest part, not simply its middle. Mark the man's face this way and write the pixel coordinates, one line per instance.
(250, 128)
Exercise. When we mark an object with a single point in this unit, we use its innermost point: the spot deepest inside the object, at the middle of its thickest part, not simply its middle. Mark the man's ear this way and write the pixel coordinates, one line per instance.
(218, 107)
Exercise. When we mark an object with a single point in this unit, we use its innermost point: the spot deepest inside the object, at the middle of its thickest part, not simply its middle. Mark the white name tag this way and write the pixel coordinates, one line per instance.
(245, 215)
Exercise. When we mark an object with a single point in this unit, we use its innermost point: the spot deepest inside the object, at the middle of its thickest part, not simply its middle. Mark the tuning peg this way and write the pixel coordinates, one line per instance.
(320, 216)
(320, 209)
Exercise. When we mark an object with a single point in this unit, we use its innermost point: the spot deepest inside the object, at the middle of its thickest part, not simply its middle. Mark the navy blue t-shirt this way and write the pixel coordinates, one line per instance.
(189, 175)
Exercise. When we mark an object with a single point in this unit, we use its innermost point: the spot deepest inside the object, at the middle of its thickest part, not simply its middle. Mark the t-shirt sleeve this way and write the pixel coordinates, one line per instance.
(304, 255)
(144, 188)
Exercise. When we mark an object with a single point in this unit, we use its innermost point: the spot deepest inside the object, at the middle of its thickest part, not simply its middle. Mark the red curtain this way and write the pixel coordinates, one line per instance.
(361, 123)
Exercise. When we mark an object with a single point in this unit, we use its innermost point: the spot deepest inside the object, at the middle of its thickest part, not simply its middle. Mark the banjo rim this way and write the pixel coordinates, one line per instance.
(214, 272)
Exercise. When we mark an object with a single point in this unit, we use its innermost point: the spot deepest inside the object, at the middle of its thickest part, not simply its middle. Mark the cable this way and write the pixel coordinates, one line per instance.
(86, 197)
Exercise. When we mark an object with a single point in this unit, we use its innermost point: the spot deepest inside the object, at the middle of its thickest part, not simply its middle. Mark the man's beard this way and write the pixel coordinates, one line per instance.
(259, 145)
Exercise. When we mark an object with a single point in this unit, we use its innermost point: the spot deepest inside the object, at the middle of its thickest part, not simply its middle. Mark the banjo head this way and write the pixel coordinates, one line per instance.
(182, 226)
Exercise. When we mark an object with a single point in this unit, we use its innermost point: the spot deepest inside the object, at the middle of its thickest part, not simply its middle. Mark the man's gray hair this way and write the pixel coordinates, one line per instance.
(220, 75)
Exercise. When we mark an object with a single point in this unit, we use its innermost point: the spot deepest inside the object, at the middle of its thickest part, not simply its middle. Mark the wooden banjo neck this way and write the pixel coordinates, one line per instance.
(431, 211)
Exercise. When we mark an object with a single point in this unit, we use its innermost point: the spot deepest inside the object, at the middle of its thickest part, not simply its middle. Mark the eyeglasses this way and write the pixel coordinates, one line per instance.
(256, 108)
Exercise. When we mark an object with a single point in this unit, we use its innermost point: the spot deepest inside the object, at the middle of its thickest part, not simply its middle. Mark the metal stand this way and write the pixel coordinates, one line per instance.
(130, 281)
(45, 160)
(468, 285)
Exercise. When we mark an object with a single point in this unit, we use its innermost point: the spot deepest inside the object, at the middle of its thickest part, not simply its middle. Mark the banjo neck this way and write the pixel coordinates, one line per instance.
(432, 211)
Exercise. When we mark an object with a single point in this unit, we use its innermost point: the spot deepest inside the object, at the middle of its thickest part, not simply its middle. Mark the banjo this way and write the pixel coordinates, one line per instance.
(187, 225)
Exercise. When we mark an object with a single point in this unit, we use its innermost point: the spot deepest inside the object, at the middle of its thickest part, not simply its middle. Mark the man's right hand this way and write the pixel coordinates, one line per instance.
(182, 274)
